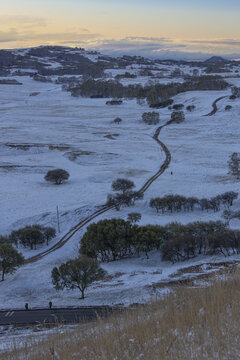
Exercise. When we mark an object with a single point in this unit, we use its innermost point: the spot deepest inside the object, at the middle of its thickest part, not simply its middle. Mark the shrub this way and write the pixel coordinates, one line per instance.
(117, 120)
(190, 108)
(178, 106)
(114, 102)
(57, 176)
(150, 118)
(177, 116)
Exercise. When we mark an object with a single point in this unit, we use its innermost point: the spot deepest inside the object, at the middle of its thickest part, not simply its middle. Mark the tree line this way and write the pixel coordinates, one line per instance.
(178, 203)
(154, 93)
(114, 239)
(30, 236)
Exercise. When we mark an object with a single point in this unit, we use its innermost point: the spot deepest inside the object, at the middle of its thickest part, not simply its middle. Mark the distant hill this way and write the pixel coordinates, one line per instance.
(216, 59)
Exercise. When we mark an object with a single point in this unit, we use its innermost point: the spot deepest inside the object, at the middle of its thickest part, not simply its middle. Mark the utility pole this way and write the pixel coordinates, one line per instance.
(58, 222)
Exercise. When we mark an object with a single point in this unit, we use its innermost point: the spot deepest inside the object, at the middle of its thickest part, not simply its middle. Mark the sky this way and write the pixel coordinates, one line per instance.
(152, 28)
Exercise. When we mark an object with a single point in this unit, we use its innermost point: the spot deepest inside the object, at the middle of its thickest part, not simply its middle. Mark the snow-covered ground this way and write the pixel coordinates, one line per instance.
(54, 130)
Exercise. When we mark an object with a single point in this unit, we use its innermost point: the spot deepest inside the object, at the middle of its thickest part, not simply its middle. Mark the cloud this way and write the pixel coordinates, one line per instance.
(25, 37)
(23, 21)
(151, 47)
(230, 42)
(61, 37)
(166, 48)
(8, 36)
(135, 45)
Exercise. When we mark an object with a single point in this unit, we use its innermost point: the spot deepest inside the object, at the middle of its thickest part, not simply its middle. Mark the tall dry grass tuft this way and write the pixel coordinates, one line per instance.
(191, 323)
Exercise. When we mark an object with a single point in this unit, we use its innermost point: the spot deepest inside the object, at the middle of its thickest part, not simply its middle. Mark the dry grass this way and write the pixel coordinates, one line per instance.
(199, 323)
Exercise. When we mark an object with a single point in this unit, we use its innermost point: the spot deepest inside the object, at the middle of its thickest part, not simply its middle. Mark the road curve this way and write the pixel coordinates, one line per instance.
(214, 105)
(105, 208)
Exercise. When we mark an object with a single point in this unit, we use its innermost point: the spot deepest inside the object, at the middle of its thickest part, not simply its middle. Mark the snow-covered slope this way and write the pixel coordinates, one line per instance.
(54, 130)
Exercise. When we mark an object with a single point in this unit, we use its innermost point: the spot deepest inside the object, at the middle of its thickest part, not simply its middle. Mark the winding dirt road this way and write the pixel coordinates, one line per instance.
(214, 105)
(105, 208)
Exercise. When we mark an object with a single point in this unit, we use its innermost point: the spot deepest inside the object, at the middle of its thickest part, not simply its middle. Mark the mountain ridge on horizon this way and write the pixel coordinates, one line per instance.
(211, 60)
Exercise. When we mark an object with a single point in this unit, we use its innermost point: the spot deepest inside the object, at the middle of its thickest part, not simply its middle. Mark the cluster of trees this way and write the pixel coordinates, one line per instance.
(125, 196)
(114, 239)
(201, 238)
(126, 75)
(150, 118)
(154, 93)
(31, 236)
(171, 203)
(215, 68)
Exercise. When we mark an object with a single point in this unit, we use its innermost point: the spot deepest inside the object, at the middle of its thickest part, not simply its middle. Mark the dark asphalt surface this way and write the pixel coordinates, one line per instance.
(47, 316)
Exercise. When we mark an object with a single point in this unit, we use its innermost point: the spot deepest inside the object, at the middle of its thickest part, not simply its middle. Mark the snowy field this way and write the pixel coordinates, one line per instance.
(54, 130)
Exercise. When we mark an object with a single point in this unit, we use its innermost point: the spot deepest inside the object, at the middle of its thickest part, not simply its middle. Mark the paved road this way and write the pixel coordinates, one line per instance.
(67, 315)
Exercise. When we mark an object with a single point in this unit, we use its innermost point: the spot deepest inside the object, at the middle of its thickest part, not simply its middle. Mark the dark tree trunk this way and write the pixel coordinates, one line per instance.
(82, 292)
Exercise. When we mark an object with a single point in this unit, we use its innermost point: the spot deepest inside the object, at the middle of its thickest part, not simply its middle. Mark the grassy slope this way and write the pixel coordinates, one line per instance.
(196, 323)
